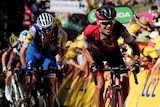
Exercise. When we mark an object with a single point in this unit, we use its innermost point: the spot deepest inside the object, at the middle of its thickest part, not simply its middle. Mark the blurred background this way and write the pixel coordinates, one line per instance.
(17, 15)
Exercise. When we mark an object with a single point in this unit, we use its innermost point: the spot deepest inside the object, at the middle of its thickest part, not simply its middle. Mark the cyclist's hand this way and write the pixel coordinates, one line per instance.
(26, 71)
(4, 70)
(59, 65)
(136, 66)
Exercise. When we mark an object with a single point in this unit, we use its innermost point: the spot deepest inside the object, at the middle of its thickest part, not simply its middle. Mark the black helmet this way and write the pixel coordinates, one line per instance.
(105, 12)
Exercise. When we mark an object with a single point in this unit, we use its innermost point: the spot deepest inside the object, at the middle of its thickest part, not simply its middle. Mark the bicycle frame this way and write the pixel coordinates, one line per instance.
(114, 91)
(16, 89)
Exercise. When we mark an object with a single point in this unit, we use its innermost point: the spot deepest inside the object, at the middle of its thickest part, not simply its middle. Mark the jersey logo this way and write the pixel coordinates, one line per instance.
(28, 39)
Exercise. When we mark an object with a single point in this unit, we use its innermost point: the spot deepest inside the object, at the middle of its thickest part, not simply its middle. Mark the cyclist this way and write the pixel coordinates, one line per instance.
(36, 51)
(63, 36)
(10, 60)
(100, 38)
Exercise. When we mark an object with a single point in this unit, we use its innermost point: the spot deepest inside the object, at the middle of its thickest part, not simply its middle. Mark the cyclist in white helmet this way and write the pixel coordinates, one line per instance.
(10, 60)
(36, 51)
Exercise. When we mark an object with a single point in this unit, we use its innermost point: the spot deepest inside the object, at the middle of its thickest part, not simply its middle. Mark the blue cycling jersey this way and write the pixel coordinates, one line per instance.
(37, 54)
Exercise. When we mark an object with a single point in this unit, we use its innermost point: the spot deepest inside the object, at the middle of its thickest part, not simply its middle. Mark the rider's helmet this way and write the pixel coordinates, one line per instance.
(105, 12)
(22, 35)
(57, 22)
(45, 20)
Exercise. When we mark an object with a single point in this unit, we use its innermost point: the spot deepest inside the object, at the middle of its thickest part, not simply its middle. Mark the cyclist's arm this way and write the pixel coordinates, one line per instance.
(5, 55)
(135, 48)
(23, 49)
(131, 42)
(88, 56)
(23, 56)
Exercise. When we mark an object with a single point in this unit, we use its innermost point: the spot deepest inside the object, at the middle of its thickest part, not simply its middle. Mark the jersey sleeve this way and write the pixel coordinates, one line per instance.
(15, 44)
(122, 31)
(88, 35)
(62, 38)
(30, 36)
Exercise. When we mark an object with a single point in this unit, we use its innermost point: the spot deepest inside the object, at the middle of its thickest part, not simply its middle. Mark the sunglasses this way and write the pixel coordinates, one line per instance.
(107, 22)
(47, 29)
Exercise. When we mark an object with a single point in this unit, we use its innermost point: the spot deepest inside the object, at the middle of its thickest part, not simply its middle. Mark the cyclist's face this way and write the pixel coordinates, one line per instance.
(48, 31)
(106, 26)
(47, 35)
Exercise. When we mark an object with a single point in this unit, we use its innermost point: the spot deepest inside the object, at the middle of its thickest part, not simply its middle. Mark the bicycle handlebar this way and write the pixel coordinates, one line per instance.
(119, 70)
(115, 70)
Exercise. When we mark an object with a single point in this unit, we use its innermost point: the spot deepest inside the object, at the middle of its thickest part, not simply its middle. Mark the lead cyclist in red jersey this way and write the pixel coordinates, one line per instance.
(100, 38)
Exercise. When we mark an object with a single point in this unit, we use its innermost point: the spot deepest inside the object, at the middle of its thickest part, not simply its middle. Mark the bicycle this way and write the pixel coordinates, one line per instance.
(114, 91)
(16, 89)
(39, 93)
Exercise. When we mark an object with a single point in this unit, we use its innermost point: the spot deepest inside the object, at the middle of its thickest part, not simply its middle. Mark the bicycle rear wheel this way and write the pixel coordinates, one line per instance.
(117, 99)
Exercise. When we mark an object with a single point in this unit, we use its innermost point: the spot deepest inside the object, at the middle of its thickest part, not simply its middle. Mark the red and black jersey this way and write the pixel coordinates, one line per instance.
(92, 35)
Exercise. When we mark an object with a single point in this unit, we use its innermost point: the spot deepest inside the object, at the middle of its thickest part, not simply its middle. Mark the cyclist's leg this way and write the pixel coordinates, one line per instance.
(50, 80)
(98, 95)
(10, 64)
(125, 86)
(30, 76)
(8, 85)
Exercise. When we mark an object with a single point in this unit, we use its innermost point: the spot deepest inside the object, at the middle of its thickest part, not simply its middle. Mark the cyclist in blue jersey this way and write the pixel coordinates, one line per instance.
(100, 38)
(36, 51)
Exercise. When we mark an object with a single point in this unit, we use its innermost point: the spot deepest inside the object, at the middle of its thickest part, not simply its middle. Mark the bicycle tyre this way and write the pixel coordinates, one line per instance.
(56, 101)
(14, 93)
(117, 99)
(21, 94)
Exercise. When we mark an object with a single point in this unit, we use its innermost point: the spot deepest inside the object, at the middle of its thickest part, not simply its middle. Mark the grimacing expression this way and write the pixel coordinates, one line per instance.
(106, 26)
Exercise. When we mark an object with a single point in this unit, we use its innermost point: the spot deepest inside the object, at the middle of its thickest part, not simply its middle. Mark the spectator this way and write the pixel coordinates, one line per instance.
(133, 28)
(150, 50)
(144, 30)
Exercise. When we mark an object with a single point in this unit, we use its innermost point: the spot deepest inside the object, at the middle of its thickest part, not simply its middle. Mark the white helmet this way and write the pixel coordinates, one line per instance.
(22, 35)
(45, 20)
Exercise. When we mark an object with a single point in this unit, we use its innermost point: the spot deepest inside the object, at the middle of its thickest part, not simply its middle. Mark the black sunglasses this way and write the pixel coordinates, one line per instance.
(48, 28)
(107, 22)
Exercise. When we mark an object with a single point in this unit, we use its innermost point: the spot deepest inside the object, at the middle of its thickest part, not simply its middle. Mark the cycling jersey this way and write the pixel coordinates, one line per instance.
(39, 54)
(92, 36)
(63, 38)
(100, 49)
(13, 51)
(35, 37)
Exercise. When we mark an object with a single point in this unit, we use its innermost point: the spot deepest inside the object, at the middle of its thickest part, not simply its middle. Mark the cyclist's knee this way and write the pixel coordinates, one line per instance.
(34, 78)
(99, 86)
(9, 74)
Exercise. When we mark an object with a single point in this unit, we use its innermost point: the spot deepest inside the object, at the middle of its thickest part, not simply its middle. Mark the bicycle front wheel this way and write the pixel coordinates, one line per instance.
(17, 93)
(117, 99)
